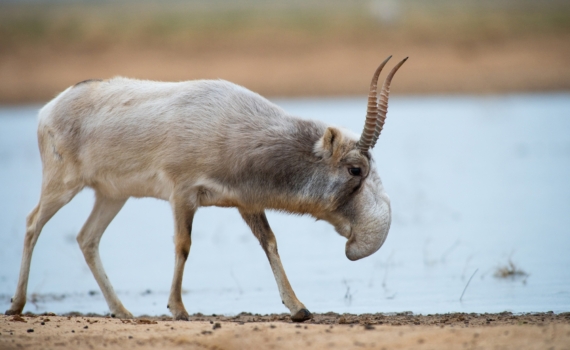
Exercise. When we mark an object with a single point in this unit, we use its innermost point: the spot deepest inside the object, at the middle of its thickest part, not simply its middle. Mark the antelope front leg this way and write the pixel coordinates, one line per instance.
(260, 228)
(183, 216)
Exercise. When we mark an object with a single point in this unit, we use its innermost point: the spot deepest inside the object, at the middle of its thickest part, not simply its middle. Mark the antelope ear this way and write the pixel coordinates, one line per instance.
(329, 145)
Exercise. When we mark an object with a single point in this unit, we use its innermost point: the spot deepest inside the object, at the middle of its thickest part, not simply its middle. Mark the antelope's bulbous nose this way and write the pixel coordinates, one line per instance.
(357, 249)
(367, 238)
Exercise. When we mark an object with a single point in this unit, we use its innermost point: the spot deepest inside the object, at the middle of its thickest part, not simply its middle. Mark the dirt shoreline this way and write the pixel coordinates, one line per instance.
(521, 65)
(276, 331)
(308, 48)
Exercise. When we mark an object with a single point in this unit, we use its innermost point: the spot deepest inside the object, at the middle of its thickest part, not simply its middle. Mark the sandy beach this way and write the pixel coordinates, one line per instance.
(325, 331)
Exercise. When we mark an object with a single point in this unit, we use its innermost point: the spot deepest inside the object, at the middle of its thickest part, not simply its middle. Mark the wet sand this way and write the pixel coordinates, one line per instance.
(330, 331)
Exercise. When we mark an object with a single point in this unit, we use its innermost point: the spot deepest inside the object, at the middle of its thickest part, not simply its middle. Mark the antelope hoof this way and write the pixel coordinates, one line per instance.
(122, 315)
(13, 312)
(302, 316)
(182, 316)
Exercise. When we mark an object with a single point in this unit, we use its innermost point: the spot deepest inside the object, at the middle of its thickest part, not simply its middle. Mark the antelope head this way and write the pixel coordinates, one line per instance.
(362, 211)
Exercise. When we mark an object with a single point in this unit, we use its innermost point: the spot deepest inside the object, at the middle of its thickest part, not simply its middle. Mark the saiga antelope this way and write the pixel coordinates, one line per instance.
(203, 143)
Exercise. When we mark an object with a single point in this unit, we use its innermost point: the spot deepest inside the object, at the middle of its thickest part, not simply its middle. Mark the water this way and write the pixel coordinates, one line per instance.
(475, 182)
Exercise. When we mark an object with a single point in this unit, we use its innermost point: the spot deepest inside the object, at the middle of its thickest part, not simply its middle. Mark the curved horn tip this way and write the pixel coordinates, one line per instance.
(391, 74)
(384, 63)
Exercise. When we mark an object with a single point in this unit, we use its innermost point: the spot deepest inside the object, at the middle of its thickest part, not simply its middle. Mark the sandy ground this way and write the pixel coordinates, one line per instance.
(330, 331)
(36, 74)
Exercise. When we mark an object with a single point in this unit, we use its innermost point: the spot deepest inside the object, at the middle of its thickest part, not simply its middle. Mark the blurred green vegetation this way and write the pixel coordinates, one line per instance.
(222, 23)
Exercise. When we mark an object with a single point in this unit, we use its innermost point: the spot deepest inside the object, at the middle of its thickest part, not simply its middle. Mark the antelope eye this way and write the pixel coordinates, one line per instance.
(355, 171)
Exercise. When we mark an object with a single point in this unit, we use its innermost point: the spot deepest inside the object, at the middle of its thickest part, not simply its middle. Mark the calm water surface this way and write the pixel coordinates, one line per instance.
(475, 182)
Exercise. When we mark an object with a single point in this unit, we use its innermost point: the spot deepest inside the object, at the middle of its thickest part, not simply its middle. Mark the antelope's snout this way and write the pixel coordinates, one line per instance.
(368, 234)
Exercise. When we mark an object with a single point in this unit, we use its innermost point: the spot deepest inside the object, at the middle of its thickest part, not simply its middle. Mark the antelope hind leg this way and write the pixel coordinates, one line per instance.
(183, 216)
(260, 228)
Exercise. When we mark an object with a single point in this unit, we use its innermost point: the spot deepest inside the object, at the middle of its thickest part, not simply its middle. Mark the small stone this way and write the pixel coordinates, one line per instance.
(85, 327)
(30, 330)
(130, 337)
(72, 331)
(43, 323)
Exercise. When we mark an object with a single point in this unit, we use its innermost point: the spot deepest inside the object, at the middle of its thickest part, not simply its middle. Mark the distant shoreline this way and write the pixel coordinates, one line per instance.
(309, 48)
(35, 75)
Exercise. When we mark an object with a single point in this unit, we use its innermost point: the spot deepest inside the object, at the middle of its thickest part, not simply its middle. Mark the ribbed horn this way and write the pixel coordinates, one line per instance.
(383, 102)
(371, 112)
